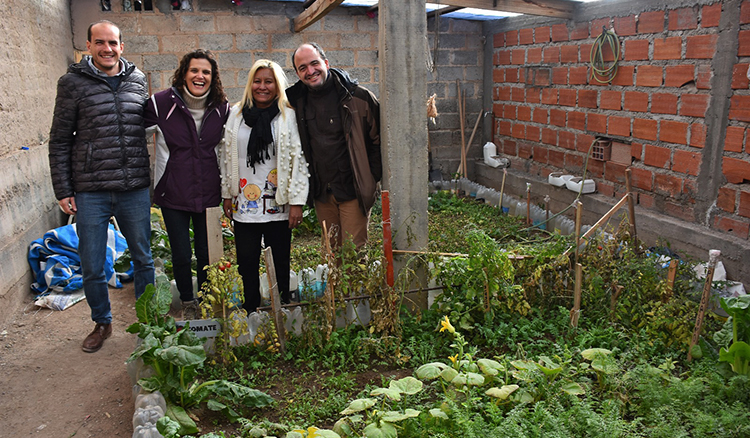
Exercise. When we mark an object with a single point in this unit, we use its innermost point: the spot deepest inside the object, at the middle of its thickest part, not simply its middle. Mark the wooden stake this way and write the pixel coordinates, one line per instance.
(579, 210)
(502, 189)
(631, 208)
(576, 310)
(605, 218)
(387, 237)
(461, 125)
(273, 290)
(617, 290)
(713, 258)
(528, 204)
(670, 279)
(471, 137)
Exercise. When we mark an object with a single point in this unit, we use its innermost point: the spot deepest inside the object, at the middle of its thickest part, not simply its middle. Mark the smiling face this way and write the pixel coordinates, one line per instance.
(198, 77)
(105, 48)
(264, 88)
(312, 70)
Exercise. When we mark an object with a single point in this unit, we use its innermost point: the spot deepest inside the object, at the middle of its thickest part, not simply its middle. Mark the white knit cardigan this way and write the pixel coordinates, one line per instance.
(293, 176)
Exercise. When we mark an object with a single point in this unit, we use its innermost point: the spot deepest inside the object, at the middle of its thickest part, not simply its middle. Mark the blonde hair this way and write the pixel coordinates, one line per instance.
(281, 85)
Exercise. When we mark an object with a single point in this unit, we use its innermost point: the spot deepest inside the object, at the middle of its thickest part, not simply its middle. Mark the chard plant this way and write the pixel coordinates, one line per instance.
(176, 356)
(736, 332)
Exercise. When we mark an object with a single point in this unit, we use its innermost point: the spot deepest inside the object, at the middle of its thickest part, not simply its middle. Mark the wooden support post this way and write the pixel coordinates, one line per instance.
(387, 237)
(631, 209)
(576, 310)
(273, 291)
(713, 258)
(213, 231)
(670, 279)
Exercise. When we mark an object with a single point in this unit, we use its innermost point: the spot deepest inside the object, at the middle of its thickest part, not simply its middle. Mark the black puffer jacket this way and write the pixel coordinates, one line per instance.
(98, 141)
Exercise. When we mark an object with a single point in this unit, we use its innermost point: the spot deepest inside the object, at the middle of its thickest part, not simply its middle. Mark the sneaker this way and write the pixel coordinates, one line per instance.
(190, 310)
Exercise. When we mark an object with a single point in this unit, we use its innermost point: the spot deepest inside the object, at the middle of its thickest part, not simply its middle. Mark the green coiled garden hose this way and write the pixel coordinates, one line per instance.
(600, 71)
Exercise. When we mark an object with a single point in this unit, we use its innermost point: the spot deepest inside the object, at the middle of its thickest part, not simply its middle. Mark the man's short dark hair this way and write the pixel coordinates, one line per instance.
(315, 46)
(119, 32)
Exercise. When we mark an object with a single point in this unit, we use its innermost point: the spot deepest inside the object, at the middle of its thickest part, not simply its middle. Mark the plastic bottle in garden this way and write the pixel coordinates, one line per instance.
(293, 286)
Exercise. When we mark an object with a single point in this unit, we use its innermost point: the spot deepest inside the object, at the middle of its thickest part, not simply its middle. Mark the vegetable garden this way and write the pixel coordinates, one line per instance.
(495, 355)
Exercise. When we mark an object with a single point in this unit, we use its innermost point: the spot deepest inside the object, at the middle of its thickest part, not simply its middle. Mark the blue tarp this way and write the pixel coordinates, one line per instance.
(57, 268)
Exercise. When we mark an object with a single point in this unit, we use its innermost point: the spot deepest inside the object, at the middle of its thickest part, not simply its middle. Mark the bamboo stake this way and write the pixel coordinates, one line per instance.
(713, 258)
(273, 290)
(449, 254)
(463, 135)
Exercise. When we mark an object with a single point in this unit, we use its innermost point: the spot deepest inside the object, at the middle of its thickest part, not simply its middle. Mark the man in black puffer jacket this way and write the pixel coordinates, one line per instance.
(100, 165)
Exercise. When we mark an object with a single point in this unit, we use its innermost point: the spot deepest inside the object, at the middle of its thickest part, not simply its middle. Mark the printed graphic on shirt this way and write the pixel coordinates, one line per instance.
(249, 205)
(257, 201)
(269, 194)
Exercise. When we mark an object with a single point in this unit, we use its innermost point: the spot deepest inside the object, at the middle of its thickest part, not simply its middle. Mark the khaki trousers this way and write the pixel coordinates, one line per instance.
(342, 219)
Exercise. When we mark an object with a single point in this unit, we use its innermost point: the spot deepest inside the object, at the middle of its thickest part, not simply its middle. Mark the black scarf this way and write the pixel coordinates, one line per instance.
(261, 136)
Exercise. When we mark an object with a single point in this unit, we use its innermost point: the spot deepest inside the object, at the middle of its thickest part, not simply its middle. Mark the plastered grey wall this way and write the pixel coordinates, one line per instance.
(36, 49)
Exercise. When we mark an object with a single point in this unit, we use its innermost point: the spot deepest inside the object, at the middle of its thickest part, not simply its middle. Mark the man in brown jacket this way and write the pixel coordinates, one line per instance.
(339, 124)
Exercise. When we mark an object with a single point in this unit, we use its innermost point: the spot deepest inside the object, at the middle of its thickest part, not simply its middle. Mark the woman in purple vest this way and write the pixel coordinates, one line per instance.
(188, 120)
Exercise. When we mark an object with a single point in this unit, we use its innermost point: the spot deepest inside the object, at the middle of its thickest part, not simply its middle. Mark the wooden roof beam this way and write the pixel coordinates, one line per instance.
(315, 12)
(547, 8)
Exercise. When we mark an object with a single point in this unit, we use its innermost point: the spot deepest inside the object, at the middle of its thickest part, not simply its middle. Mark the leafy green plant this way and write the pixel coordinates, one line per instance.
(738, 354)
(175, 356)
(479, 284)
(372, 417)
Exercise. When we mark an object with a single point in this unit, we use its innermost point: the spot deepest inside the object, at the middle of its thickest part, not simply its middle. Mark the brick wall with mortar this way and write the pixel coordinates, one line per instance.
(689, 158)
(36, 50)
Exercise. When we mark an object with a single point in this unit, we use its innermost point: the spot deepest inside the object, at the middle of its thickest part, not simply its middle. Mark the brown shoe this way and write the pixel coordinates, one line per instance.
(95, 339)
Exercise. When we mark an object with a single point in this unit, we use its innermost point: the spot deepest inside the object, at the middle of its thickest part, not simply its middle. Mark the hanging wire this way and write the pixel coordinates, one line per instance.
(600, 71)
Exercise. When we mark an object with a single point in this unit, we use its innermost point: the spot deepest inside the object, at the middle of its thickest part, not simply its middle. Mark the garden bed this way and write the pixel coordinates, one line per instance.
(496, 355)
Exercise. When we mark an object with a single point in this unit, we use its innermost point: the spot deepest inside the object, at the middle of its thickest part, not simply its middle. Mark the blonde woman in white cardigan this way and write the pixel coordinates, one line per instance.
(264, 177)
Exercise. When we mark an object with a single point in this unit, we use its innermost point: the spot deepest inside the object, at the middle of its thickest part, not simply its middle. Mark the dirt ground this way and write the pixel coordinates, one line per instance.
(50, 388)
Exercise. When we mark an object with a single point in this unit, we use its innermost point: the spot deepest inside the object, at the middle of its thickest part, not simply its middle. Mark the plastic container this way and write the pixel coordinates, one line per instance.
(574, 185)
(558, 179)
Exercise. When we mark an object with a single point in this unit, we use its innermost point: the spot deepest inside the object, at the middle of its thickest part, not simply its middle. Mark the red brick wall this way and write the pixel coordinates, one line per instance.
(657, 103)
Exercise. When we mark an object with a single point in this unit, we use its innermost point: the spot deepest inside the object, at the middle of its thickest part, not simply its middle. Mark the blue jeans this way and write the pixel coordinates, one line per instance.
(178, 230)
(132, 209)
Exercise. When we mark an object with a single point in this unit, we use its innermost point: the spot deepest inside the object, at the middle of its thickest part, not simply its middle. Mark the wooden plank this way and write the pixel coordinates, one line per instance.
(315, 12)
(215, 238)
(273, 291)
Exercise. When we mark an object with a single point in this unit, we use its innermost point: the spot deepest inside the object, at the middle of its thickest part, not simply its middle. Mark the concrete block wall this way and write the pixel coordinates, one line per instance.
(238, 35)
(680, 100)
(37, 49)
(457, 55)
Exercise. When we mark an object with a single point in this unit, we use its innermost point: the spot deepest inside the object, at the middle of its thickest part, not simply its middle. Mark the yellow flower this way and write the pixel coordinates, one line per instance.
(453, 358)
(445, 324)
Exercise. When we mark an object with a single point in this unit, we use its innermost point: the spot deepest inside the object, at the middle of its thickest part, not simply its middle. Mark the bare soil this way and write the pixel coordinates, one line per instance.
(50, 388)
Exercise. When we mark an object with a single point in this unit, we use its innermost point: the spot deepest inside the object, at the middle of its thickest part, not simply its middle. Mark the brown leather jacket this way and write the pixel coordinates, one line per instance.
(360, 113)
